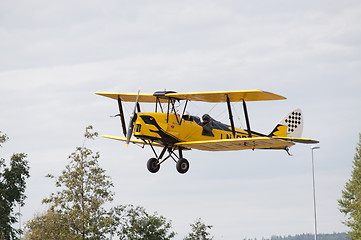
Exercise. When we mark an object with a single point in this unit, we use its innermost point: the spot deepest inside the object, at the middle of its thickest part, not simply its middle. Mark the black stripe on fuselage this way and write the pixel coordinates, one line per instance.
(164, 136)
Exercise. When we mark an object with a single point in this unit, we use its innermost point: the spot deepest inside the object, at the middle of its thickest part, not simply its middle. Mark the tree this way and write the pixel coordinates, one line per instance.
(12, 188)
(77, 212)
(3, 138)
(83, 190)
(51, 225)
(137, 224)
(199, 231)
(350, 204)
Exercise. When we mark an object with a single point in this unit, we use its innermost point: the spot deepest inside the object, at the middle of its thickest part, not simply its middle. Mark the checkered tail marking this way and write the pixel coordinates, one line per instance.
(294, 123)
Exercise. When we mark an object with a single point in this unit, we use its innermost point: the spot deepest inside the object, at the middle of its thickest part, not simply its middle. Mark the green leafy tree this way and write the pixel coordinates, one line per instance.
(12, 188)
(51, 225)
(77, 212)
(199, 231)
(350, 204)
(83, 190)
(137, 224)
(3, 138)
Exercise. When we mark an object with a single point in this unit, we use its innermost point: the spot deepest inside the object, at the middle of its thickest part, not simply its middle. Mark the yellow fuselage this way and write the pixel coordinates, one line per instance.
(169, 129)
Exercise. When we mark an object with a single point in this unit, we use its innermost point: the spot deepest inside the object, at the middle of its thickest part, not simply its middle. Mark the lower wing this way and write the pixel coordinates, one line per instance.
(132, 140)
(237, 144)
(229, 144)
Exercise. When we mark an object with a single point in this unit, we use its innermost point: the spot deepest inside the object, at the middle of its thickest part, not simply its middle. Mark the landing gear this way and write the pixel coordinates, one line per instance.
(153, 164)
(182, 165)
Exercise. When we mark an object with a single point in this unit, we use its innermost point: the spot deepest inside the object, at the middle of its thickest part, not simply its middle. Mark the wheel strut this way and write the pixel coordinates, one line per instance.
(153, 164)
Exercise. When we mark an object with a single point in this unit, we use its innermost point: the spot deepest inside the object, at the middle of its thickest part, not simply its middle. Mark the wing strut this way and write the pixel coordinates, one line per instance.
(121, 115)
(247, 119)
(138, 107)
(184, 109)
(168, 110)
(173, 109)
(231, 116)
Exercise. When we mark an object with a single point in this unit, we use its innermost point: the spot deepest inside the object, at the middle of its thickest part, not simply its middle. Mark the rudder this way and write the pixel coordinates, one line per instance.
(290, 126)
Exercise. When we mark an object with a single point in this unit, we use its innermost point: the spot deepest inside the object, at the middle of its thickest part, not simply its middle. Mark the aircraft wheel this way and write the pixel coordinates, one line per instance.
(182, 165)
(153, 165)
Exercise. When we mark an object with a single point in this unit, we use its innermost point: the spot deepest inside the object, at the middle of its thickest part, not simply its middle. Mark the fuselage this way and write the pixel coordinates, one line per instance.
(170, 128)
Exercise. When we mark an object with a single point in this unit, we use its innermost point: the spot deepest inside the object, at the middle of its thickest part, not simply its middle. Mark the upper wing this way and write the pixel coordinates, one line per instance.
(237, 144)
(234, 96)
(131, 97)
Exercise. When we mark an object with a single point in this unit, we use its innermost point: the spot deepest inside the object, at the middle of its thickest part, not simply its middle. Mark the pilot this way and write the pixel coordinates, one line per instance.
(206, 119)
(207, 125)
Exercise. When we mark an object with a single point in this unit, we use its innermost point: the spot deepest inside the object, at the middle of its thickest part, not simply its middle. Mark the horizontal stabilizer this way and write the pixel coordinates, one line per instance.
(299, 140)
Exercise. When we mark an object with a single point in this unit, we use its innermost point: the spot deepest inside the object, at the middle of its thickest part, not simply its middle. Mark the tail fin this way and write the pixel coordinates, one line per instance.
(290, 126)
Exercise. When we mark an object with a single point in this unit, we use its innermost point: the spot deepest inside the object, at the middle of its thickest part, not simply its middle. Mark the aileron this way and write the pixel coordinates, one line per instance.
(234, 96)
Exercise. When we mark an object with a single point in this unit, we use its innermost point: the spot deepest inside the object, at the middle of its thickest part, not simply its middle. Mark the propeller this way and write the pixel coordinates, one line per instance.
(133, 117)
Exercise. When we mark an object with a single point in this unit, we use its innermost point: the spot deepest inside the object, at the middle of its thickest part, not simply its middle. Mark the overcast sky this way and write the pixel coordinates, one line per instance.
(56, 54)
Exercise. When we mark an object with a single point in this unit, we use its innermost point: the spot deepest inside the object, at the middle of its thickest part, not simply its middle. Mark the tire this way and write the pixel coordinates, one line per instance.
(152, 165)
(182, 165)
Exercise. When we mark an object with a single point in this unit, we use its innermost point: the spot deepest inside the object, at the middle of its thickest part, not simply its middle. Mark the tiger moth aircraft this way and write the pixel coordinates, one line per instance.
(175, 132)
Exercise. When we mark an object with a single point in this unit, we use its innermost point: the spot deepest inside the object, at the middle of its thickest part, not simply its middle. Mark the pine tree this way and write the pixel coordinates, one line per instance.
(350, 204)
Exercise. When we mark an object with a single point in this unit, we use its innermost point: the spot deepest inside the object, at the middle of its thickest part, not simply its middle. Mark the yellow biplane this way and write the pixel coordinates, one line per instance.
(175, 132)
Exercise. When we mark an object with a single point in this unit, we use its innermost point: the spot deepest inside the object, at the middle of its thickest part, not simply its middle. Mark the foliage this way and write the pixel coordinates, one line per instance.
(12, 188)
(51, 225)
(137, 224)
(334, 236)
(199, 231)
(350, 204)
(308, 236)
(77, 212)
(83, 190)
(3, 138)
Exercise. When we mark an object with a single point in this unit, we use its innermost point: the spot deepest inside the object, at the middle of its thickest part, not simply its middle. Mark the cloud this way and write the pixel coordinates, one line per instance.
(56, 55)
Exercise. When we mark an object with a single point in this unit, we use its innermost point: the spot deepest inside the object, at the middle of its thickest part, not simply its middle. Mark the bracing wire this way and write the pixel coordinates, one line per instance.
(214, 106)
(238, 115)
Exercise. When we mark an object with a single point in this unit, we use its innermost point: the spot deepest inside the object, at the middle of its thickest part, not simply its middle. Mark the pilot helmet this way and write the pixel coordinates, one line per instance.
(206, 118)
(186, 116)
